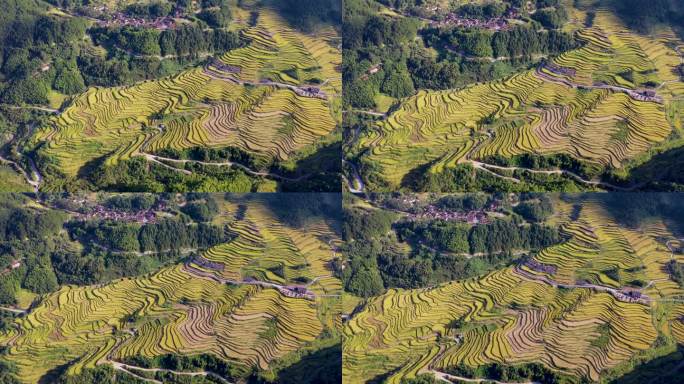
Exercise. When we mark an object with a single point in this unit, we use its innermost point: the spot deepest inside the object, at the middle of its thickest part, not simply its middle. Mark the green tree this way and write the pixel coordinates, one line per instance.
(102, 374)
(217, 18)
(365, 282)
(40, 279)
(360, 94)
(69, 81)
(30, 90)
(8, 290)
(398, 83)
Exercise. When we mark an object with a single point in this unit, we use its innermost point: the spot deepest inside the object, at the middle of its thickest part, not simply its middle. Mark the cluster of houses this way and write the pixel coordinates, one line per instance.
(455, 20)
(297, 291)
(540, 267)
(625, 294)
(103, 213)
(221, 66)
(630, 295)
(309, 91)
(208, 264)
(119, 19)
(432, 212)
(647, 95)
(557, 69)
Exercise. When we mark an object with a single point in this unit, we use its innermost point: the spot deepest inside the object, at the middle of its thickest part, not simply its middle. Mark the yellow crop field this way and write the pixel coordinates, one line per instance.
(526, 313)
(577, 104)
(270, 98)
(230, 301)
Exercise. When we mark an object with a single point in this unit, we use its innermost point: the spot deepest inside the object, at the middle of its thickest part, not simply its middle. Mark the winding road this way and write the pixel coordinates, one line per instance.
(15, 310)
(302, 91)
(485, 166)
(447, 378)
(160, 160)
(371, 113)
(282, 288)
(34, 107)
(356, 185)
(360, 186)
(127, 369)
(35, 179)
(630, 92)
(32, 181)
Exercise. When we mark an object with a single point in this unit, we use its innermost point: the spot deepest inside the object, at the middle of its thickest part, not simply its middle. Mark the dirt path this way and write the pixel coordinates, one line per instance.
(447, 378)
(126, 368)
(34, 107)
(182, 251)
(160, 160)
(35, 179)
(33, 182)
(617, 293)
(371, 113)
(299, 90)
(485, 166)
(15, 310)
(208, 275)
(356, 185)
(630, 92)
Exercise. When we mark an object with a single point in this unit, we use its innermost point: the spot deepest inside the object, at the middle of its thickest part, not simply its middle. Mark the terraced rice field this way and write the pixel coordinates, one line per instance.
(188, 309)
(254, 98)
(524, 313)
(577, 104)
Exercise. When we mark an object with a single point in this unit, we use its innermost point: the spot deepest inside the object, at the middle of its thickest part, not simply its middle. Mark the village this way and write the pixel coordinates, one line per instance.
(416, 211)
(84, 209)
(99, 212)
(119, 19)
(494, 24)
(455, 19)
(432, 212)
(105, 17)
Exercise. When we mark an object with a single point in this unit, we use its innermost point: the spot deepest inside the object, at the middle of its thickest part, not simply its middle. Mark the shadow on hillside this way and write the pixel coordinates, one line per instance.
(52, 376)
(300, 209)
(321, 367)
(663, 370)
(644, 17)
(321, 170)
(665, 171)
